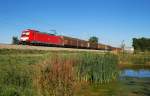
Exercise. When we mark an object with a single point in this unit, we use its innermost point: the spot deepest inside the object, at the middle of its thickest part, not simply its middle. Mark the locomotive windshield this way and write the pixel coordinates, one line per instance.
(25, 33)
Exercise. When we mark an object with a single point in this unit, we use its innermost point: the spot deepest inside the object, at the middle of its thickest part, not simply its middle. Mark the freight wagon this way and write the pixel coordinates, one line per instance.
(102, 47)
(74, 42)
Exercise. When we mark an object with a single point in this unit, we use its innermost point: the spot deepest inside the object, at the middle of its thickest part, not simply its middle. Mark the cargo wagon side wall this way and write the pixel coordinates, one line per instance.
(69, 42)
(74, 42)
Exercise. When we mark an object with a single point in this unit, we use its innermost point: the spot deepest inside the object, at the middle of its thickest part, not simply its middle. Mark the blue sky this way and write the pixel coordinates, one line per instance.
(110, 20)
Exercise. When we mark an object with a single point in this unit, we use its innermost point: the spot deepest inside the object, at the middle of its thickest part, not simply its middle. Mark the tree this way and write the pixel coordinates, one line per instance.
(141, 44)
(15, 40)
(93, 39)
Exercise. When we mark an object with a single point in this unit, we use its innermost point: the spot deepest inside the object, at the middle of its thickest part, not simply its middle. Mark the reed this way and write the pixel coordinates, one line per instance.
(97, 68)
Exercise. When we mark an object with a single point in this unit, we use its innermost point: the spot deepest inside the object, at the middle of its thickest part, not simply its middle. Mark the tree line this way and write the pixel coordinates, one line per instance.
(141, 44)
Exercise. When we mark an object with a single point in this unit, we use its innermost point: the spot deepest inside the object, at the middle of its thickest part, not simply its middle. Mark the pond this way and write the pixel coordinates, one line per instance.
(131, 82)
(136, 73)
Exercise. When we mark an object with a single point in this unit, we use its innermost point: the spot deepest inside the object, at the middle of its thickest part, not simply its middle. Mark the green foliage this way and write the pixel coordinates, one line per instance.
(141, 44)
(139, 58)
(93, 39)
(16, 73)
(16, 80)
(97, 68)
(15, 40)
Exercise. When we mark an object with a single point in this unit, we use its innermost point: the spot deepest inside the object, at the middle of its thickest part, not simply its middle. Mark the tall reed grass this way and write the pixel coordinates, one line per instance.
(97, 68)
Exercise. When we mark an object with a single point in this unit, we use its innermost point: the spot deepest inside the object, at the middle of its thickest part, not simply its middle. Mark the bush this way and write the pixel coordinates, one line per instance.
(15, 40)
(55, 76)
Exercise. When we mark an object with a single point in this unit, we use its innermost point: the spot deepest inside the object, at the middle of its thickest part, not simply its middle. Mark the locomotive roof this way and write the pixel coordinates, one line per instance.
(40, 32)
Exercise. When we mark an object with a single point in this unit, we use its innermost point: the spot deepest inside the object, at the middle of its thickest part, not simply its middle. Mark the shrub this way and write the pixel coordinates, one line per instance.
(55, 76)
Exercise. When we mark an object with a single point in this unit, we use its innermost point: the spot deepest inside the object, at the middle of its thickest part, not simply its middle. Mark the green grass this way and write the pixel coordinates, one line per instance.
(128, 86)
(16, 71)
(32, 72)
(143, 59)
(20, 51)
(111, 89)
(16, 80)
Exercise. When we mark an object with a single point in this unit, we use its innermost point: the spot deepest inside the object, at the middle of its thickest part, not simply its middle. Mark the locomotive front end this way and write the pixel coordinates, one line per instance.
(24, 39)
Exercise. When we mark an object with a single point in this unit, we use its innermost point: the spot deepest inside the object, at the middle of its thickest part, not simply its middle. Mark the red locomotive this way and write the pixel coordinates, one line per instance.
(35, 37)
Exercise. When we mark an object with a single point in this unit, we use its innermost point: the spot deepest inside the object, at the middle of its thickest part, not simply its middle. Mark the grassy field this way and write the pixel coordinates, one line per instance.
(16, 71)
(59, 73)
(45, 73)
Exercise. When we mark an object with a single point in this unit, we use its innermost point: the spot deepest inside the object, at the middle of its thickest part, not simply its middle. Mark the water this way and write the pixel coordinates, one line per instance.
(132, 82)
(136, 73)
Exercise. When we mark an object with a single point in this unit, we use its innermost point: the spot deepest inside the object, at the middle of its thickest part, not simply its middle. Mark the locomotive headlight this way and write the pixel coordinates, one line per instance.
(27, 33)
(24, 38)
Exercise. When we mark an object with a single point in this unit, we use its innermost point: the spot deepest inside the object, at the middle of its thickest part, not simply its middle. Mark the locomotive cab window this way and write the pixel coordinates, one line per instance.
(25, 33)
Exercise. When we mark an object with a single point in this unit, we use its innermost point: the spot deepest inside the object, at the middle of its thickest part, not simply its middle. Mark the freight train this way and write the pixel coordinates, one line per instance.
(34, 37)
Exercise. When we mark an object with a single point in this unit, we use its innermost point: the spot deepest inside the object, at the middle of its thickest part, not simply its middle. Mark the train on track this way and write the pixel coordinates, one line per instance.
(34, 37)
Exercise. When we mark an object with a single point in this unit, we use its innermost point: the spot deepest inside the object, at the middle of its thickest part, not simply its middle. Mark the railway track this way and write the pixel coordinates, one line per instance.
(9, 46)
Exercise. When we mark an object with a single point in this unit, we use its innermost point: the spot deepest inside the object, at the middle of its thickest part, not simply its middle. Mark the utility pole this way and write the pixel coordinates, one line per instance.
(123, 45)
